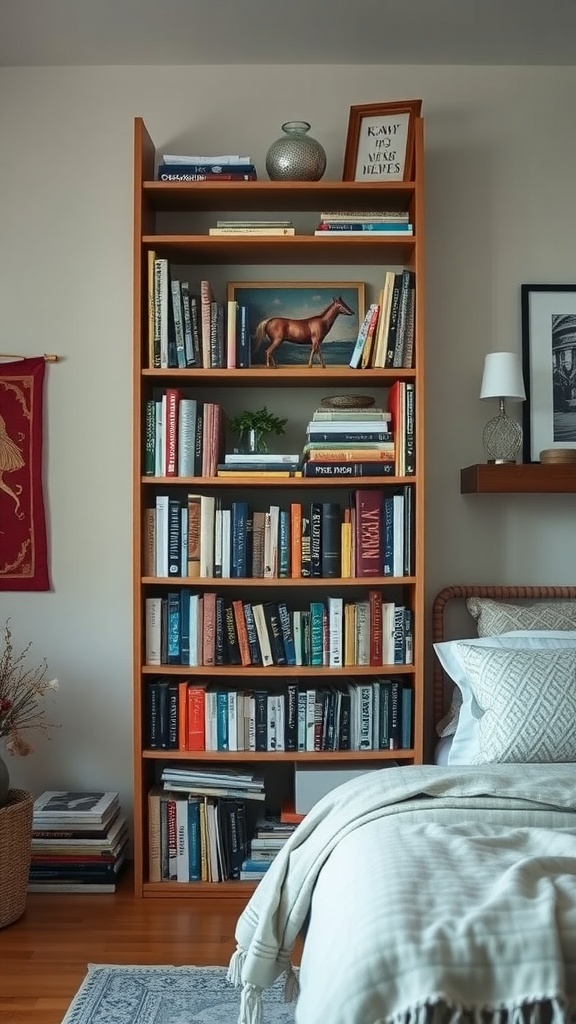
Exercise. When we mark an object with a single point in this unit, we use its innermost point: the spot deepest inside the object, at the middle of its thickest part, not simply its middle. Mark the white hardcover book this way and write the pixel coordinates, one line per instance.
(262, 634)
(335, 617)
(207, 526)
(279, 698)
(182, 859)
(232, 308)
(226, 543)
(211, 720)
(271, 542)
(297, 632)
(398, 534)
(301, 742)
(162, 535)
(366, 697)
(218, 540)
(187, 411)
(153, 630)
(195, 630)
(250, 705)
(388, 632)
(310, 718)
(233, 720)
(362, 633)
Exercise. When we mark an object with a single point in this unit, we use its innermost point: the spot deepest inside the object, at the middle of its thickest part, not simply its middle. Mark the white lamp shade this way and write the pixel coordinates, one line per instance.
(502, 377)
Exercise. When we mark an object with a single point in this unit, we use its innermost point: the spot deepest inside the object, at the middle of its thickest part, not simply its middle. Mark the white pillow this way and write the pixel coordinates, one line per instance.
(528, 703)
(466, 743)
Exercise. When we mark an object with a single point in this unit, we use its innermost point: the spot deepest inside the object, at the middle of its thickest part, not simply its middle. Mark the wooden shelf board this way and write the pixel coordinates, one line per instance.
(271, 671)
(277, 195)
(283, 377)
(317, 756)
(523, 478)
(324, 582)
(209, 250)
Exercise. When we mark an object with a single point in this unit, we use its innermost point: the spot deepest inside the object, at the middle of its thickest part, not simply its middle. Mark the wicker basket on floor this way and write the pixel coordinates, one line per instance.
(15, 851)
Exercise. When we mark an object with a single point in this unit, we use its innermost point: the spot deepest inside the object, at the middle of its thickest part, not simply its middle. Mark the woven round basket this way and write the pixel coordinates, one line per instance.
(15, 852)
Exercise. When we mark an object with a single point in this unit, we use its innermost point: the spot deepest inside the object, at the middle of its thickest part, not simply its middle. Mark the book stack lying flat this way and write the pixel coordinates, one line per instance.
(392, 222)
(270, 835)
(253, 227)
(79, 842)
(259, 464)
(364, 446)
(230, 167)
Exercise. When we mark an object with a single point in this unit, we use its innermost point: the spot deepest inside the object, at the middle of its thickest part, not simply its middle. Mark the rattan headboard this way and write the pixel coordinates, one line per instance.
(440, 693)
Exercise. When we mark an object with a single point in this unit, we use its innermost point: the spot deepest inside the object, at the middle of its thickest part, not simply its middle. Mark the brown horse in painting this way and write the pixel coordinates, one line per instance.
(309, 331)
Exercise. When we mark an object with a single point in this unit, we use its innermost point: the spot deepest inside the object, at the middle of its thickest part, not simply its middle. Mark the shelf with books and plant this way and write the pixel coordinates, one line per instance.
(343, 641)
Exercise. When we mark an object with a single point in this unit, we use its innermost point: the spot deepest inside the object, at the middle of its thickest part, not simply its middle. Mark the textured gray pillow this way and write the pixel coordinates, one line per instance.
(494, 617)
(528, 700)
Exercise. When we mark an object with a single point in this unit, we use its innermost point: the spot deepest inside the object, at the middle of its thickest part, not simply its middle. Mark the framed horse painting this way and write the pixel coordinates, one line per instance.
(300, 323)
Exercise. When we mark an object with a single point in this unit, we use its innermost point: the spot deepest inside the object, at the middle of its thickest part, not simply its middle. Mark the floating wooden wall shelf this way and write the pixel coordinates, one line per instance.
(531, 478)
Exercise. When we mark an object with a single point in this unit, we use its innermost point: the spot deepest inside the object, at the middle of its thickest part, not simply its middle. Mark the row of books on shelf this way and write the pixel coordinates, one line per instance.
(184, 628)
(198, 838)
(188, 329)
(361, 222)
(79, 842)
(386, 335)
(182, 436)
(371, 714)
(201, 536)
(185, 437)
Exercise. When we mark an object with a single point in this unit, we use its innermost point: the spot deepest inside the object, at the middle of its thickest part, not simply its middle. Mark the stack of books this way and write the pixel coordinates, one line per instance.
(349, 442)
(356, 222)
(270, 836)
(79, 842)
(259, 464)
(386, 335)
(272, 228)
(229, 167)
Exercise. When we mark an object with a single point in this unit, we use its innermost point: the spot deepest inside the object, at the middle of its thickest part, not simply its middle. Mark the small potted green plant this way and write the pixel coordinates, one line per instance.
(252, 429)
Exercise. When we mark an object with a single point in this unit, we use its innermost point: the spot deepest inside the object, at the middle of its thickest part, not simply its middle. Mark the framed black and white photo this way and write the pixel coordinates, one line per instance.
(549, 367)
(380, 141)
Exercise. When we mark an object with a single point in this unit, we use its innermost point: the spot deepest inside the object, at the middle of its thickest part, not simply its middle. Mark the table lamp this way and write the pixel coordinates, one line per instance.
(502, 379)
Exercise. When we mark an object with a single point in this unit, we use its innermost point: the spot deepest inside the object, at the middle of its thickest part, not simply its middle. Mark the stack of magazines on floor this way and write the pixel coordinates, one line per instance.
(79, 842)
(269, 837)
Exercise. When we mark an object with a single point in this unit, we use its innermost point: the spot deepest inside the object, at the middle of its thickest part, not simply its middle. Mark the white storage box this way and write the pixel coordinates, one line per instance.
(312, 783)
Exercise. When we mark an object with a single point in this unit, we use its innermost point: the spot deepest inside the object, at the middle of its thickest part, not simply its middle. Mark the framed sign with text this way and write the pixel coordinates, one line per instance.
(380, 141)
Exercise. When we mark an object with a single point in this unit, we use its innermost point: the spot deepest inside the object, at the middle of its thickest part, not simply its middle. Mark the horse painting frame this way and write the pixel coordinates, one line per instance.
(311, 323)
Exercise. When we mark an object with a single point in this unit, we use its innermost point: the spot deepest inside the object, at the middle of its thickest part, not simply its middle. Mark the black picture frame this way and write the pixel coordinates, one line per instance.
(548, 316)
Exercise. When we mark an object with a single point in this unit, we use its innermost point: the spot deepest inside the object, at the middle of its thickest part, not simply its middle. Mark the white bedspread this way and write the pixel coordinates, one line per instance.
(409, 915)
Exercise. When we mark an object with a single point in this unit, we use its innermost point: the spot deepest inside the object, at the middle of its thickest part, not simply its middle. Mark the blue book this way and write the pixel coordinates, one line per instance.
(256, 865)
(316, 632)
(174, 628)
(222, 719)
(252, 635)
(389, 535)
(287, 634)
(239, 535)
(194, 861)
(395, 227)
(243, 340)
(284, 543)
(184, 626)
(166, 171)
(406, 717)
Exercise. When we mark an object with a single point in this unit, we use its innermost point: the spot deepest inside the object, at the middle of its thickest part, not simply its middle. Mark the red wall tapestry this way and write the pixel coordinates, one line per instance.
(23, 548)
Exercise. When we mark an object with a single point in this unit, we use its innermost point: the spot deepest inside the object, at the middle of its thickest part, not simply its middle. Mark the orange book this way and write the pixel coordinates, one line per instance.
(196, 728)
(241, 632)
(396, 400)
(183, 714)
(375, 601)
(295, 540)
(351, 455)
(209, 630)
(288, 815)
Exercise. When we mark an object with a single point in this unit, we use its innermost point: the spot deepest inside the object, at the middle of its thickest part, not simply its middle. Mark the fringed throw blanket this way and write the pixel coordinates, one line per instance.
(434, 895)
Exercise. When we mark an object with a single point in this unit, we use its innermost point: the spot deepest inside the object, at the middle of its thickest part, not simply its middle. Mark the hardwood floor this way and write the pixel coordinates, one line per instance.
(43, 956)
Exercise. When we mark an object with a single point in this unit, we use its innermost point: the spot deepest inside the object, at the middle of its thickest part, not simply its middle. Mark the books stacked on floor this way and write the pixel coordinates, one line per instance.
(355, 222)
(229, 167)
(197, 823)
(259, 464)
(270, 835)
(359, 443)
(272, 228)
(386, 335)
(79, 842)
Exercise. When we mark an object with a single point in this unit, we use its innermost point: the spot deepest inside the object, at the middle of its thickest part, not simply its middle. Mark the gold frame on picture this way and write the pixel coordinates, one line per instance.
(267, 301)
(380, 141)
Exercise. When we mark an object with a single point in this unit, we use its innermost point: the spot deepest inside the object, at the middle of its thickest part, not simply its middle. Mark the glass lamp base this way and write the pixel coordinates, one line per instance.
(502, 439)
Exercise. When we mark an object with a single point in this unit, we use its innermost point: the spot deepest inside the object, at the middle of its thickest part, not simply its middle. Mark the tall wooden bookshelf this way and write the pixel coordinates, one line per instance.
(171, 219)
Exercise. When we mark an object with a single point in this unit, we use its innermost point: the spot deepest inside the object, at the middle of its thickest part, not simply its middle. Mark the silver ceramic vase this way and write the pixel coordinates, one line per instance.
(295, 156)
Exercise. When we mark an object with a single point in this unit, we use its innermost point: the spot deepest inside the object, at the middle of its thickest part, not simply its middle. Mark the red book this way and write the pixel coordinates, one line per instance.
(375, 603)
(288, 815)
(182, 714)
(369, 534)
(241, 632)
(171, 433)
(196, 736)
(396, 408)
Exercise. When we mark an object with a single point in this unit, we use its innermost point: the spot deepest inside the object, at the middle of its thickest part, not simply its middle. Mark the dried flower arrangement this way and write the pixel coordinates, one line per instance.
(22, 691)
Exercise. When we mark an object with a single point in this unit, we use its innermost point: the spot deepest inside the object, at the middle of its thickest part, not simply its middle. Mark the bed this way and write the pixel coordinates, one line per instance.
(434, 894)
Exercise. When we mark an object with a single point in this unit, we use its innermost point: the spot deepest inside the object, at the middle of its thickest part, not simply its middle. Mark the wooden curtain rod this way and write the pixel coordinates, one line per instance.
(47, 358)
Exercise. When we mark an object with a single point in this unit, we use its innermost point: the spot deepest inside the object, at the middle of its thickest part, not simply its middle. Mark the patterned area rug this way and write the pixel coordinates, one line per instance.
(166, 995)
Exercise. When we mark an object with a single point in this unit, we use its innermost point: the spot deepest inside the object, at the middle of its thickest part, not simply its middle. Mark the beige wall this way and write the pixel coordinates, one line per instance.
(501, 172)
